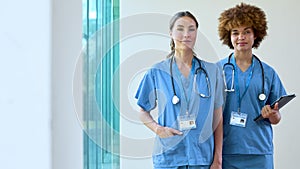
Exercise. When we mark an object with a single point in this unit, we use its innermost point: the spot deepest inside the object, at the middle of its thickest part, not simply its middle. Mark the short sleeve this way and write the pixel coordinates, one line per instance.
(219, 88)
(146, 95)
(277, 89)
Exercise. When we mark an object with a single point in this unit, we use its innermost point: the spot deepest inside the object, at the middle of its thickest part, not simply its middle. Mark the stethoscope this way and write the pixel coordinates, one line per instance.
(175, 98)
(262, 95)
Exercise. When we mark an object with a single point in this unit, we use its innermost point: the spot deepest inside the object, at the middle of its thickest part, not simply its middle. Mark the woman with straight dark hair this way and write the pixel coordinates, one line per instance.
(188, 94)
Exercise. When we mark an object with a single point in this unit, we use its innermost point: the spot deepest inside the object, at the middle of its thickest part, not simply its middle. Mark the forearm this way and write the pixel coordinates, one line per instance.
(218, 139)
(218, 136)
(161, 131)
(148, 120)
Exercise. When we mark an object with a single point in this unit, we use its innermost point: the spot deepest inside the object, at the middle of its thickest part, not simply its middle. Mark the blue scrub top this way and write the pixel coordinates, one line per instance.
(255, 137)
(195, 146)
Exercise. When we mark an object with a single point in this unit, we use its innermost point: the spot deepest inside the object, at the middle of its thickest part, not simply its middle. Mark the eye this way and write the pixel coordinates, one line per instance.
(192, 29)
(234, 33)
(179, 29)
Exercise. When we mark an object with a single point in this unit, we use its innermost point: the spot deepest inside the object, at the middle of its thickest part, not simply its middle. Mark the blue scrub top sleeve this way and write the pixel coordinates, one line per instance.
(146, 95)
(219, 88)
(277, 89)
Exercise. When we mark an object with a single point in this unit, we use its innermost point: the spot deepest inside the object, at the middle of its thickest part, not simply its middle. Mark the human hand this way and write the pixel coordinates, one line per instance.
(216, 165)
(273, 114)
(268, 112)
(165, 132)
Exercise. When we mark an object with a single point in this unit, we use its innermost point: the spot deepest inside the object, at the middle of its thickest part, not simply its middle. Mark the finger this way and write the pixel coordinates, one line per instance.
(176, 132)
(268, 108)
(264, 111)
(269, 111)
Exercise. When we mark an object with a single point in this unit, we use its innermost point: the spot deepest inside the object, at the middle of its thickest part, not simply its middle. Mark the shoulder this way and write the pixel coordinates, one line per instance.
(267, 68)
(222, 61)
(161, 66)
(211, 68)
(269, 72)
(209, 65)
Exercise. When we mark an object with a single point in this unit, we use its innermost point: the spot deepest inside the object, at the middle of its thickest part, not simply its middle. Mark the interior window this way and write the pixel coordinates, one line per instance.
(101, 84)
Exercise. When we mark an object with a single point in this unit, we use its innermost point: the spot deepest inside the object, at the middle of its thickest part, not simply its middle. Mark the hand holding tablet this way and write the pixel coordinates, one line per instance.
(283, 100)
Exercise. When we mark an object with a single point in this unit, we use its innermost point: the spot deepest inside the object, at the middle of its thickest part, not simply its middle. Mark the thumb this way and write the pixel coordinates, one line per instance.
(276, 106)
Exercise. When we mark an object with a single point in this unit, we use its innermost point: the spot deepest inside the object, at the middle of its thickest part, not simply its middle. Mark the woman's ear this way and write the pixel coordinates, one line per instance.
(254, 34)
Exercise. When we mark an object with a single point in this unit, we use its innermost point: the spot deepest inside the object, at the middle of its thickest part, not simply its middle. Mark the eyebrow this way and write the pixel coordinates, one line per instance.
(189, 26)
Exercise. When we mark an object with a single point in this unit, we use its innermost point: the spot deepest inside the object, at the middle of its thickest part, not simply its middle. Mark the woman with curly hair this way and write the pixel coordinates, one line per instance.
(251, 86)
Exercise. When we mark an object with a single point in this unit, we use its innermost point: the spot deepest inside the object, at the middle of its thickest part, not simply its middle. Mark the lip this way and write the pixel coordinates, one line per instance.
(186, 41)
(242, 43)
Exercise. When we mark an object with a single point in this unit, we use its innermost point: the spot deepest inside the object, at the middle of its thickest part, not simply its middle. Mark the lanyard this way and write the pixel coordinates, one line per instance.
(236, 82)
(187, 91)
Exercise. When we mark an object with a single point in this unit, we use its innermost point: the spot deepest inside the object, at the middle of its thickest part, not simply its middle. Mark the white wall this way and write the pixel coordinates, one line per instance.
(25, 73)
(39, 127)
(144, 41)
(67, 141)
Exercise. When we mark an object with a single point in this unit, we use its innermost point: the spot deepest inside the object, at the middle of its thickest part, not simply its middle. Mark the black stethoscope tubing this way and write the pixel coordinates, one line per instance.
(262, 95)
(175, 98)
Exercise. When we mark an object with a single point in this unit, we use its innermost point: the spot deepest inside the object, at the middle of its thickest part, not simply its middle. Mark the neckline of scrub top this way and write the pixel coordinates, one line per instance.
(236, 81)
(182, 78)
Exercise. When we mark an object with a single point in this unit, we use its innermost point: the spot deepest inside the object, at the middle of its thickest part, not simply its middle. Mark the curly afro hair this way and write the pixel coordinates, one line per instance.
(242, 15)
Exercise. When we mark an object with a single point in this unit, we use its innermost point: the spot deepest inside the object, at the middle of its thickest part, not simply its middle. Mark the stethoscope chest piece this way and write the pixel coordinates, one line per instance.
(262, 97)
(175, 99)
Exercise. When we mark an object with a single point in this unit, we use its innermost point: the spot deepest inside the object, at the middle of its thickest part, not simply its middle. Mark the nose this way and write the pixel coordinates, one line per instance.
(241, 35)
(186, 34)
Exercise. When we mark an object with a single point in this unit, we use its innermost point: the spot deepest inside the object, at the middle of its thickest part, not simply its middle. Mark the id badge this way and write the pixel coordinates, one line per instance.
(187, 122)
(238, 119)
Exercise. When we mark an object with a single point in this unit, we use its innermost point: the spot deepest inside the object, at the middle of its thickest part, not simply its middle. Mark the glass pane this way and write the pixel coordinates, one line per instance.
(101, 84)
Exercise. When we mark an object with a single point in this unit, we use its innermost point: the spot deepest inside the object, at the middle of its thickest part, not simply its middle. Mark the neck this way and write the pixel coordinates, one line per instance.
(184, 57)
(243, 59)
(184, 62)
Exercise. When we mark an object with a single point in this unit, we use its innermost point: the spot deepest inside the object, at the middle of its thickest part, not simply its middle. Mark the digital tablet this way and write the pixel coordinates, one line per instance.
(283, 100)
